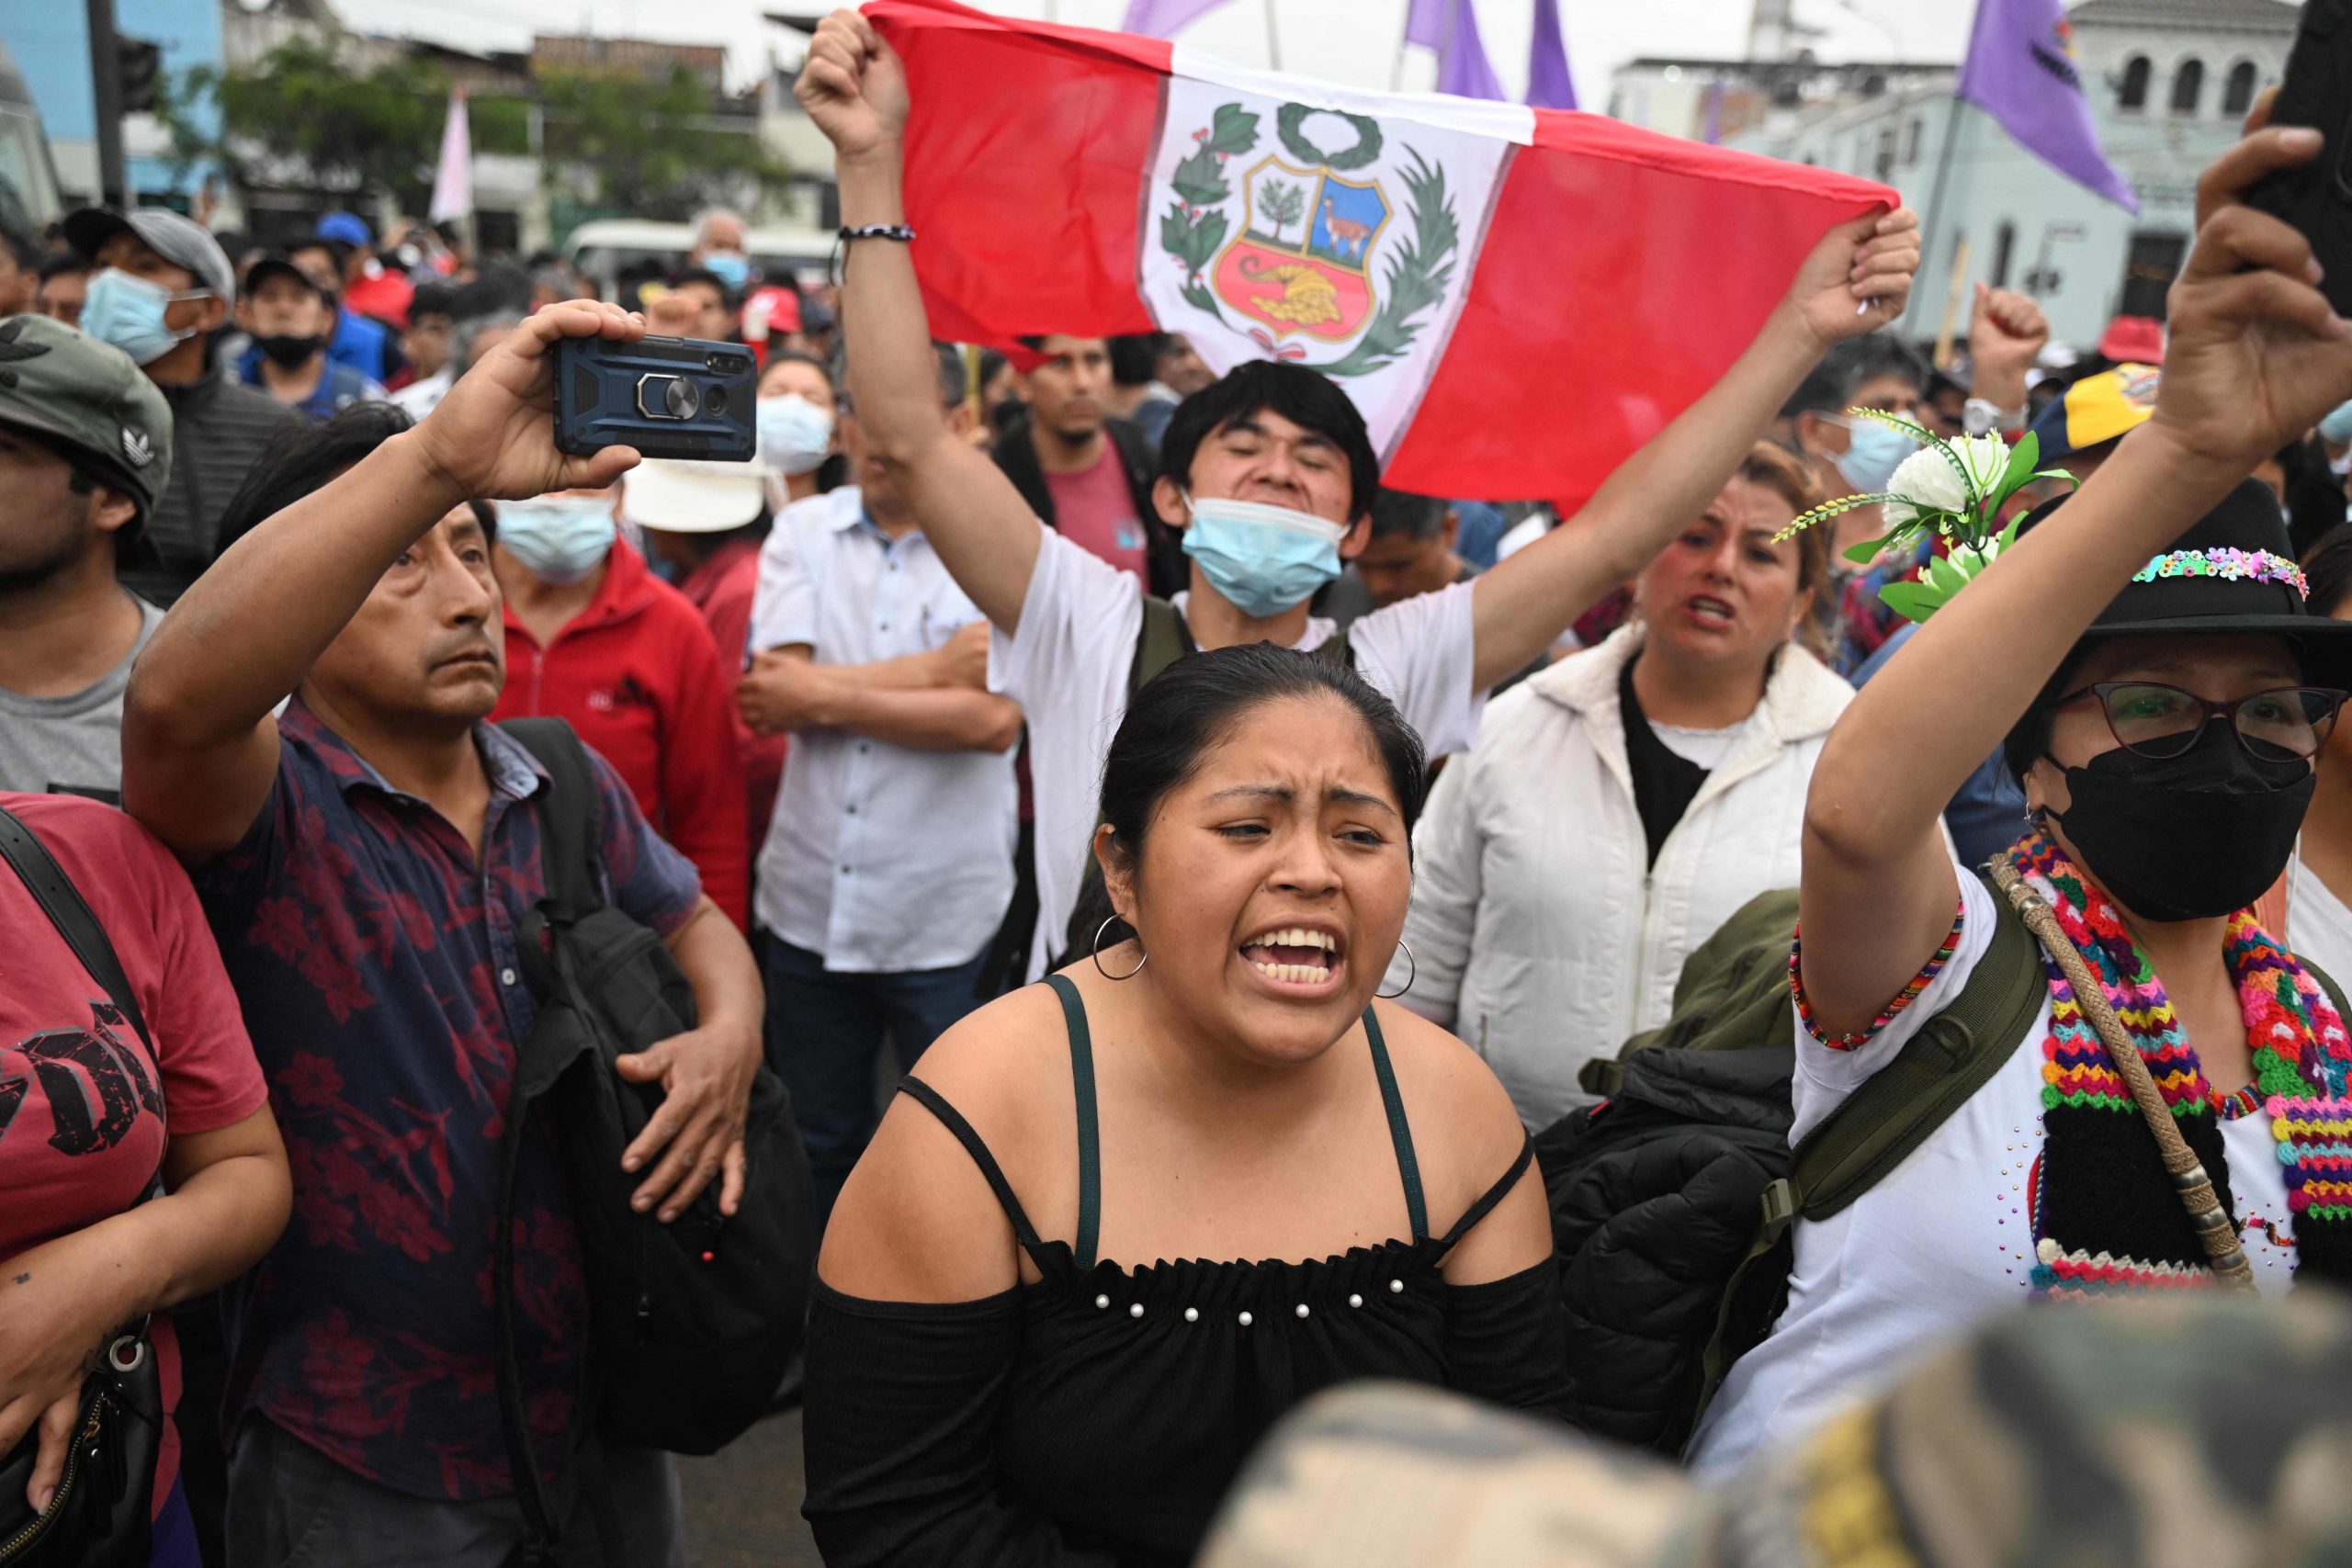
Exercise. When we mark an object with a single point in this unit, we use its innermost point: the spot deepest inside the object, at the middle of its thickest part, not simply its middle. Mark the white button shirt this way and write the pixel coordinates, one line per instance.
(882, 858)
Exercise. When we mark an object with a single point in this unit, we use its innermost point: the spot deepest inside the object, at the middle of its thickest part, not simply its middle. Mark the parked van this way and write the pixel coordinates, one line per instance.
(610, 247)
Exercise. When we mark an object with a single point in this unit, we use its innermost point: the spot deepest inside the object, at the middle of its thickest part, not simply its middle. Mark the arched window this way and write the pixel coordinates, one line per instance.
(2237, 94)
(2133, 94)
(2005, 244)
(2188, 85)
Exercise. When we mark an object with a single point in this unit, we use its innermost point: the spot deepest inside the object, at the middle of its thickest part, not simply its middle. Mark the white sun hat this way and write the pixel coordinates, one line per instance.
(682, 497)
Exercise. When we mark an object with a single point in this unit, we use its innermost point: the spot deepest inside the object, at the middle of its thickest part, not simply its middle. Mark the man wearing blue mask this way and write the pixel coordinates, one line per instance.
(162, 292)
(1269, 474)
(722, 241)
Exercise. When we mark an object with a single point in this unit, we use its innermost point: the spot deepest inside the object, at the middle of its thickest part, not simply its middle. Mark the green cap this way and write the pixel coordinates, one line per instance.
(88, 400)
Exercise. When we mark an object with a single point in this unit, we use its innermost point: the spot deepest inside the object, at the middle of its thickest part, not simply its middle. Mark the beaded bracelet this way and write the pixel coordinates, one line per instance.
(897, 231)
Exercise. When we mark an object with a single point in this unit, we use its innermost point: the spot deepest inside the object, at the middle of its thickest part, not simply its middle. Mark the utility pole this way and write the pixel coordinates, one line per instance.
(105, 98)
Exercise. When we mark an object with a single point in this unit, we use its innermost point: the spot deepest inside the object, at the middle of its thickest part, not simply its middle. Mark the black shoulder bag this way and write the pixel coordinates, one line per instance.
(99, 1515)
(692, 1324)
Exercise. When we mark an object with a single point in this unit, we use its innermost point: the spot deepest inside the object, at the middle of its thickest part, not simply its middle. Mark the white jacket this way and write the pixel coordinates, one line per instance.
(1541, 934)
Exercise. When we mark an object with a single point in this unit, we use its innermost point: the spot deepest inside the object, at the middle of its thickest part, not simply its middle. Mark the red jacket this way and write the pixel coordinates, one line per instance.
(722, 588)
(638, 677)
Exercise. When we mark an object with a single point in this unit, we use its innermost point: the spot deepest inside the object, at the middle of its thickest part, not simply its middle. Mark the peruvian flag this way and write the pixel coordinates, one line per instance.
(1516, 298)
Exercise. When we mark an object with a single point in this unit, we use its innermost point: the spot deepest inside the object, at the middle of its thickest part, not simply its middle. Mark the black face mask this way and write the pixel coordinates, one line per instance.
(287, 351)
(2186, 838)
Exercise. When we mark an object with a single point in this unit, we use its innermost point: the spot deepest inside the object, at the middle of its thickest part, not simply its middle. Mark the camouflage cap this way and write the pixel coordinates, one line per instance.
(87, 399)
(2132, 1435)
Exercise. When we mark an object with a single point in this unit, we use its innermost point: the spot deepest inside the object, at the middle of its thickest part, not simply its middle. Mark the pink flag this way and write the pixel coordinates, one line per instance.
(1430, 254)
(453, 181)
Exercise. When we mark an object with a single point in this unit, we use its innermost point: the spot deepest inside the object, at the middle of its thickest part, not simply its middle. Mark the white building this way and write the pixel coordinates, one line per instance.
(2168, 82)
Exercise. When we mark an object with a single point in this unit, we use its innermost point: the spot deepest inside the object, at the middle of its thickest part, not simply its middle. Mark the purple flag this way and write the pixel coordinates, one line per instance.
(1451, 28)
(1161, 18)
(1549, 85)
(2021, 70)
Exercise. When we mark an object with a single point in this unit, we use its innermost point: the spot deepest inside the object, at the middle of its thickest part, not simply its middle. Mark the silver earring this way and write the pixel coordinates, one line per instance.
(1097, 955)
(1412, 972)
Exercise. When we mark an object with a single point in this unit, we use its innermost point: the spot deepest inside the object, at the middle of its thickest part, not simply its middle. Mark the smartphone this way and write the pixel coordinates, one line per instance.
(2317, 92)
(668, 397)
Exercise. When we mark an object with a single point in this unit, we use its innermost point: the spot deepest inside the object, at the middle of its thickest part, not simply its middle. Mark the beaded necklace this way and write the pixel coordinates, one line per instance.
(2104, 1214)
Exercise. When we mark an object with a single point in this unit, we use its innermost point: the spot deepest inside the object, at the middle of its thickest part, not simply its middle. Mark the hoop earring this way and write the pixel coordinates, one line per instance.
(1097, 955)
(1412, 972)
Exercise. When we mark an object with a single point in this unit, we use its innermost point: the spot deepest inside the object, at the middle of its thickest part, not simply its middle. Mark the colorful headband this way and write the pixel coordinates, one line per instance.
(2260, 566)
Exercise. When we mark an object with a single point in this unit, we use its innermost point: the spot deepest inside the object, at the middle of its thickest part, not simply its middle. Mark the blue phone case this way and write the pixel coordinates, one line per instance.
(668, 397)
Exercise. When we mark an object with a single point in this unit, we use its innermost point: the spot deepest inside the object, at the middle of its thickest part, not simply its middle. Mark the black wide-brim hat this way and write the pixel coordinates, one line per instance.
(2233, 573)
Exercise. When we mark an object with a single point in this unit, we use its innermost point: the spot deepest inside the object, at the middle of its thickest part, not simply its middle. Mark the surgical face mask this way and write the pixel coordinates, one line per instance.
(287, 350)
(732, 268)
(794, 434)
(2336, 428)
(128, 311)
(560, 538)
(2186, 838)
(1262, 559)
(1872, 455)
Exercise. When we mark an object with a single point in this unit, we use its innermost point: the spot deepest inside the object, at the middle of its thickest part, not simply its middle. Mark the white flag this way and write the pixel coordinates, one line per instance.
(453, 182)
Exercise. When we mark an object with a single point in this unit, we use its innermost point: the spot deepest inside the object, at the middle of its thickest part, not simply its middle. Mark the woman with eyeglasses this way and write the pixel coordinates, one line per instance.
(2164, 687)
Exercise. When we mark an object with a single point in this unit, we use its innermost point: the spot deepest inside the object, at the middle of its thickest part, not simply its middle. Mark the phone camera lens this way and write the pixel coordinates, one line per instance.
(714, 401)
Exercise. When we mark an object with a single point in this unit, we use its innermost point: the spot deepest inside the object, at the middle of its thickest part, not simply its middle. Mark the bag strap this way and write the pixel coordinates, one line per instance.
(62, 902)
(2216, 1231)
(569, 814)
(1160, 641)
(1952, 1057)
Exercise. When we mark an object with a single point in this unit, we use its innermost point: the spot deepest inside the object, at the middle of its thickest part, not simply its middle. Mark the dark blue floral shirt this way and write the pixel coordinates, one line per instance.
(377, 961)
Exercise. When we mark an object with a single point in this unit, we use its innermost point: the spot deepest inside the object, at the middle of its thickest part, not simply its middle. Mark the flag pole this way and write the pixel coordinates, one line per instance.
(1936, 200)
(1274, 41)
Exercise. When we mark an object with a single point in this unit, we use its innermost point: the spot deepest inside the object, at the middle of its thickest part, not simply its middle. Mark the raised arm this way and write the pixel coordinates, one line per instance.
(2255, 357)
(199, 746)
(1855, 281)
(854, 87)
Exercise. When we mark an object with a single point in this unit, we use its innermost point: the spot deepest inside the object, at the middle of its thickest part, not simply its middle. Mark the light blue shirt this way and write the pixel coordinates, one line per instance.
(883, 858)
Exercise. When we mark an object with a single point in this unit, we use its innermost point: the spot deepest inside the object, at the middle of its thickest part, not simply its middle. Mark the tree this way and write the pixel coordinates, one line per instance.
(649, 146)
(305, 115)
(1282, 204)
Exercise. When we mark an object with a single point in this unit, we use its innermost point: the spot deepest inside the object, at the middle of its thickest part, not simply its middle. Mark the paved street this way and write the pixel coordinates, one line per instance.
(743, 1505)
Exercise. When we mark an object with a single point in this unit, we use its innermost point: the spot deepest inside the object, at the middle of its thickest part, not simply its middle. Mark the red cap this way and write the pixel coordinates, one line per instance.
(2140, 339)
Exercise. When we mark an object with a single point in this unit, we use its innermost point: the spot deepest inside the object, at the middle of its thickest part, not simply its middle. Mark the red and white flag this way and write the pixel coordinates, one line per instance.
(1515, 298)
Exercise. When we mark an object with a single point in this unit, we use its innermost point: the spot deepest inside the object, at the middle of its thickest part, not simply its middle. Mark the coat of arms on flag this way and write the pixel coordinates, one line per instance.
(1319, 235)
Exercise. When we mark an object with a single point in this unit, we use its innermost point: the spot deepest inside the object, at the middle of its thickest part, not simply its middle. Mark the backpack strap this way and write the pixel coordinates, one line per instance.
(569, 814)
(1162, 639)
(1952, 1057)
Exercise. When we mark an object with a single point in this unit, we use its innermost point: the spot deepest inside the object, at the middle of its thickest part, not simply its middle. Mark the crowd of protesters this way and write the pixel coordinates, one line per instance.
(1239, 920)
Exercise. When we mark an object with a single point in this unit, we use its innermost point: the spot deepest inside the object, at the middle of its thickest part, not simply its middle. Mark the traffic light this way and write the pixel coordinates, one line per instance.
(139, 63)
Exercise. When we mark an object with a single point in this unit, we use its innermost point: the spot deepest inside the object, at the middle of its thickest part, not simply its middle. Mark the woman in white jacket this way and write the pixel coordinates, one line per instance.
(1620, 805)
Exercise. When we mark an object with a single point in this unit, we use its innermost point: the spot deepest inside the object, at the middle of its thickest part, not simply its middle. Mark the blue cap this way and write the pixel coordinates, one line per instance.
(347, 227)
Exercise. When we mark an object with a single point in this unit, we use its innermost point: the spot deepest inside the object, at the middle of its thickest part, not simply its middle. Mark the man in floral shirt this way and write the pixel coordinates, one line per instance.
(366, 859)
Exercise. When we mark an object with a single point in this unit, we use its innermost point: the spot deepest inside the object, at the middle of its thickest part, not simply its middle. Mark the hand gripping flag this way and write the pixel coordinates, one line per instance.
(2021, 70)
(1516, 298)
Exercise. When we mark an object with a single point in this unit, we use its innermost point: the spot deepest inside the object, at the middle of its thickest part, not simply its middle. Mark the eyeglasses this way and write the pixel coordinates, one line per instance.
(2158, 720)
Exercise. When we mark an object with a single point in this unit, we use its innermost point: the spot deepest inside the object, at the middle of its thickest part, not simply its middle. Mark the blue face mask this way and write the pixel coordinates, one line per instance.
(127, 312)
(559, 537)
(1870, 459)
(1262, 559)
(732, 268)
(794, 434)
(2336, 428)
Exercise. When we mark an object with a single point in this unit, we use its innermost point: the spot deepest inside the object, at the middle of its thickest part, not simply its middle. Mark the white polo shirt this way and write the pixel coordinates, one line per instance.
(883, 858)
(1068, 669)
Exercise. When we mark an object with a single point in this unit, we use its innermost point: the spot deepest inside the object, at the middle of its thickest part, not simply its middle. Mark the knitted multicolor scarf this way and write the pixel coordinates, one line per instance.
(2105, 1215)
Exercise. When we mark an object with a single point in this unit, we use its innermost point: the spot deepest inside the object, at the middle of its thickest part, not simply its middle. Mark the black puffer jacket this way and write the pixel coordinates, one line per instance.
(1656, 1197)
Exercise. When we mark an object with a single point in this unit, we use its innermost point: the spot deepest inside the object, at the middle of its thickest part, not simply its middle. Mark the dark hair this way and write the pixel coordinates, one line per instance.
(704, 274)
(433, 300)
(2028, 737)
(65, 263)
(1190, 707)
(2328, 567)
(21, 247)
(2310, 492)
(1305, 398)
(303, 458)
(800, 356)
(1396, 512)
(1134, 358)
(1830, 386)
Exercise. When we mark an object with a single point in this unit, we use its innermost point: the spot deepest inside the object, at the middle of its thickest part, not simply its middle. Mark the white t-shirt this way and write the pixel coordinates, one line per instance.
(1944, 1241)
(1068, 669)
(2318, 925)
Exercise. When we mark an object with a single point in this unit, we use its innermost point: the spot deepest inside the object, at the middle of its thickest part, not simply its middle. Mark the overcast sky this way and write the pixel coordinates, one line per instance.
(1353, 41)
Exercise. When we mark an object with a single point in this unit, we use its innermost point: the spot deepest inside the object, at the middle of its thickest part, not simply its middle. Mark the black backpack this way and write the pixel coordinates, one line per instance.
(692, 1324)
